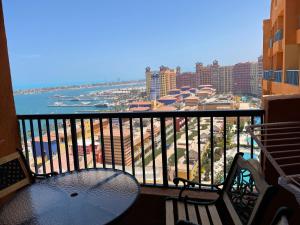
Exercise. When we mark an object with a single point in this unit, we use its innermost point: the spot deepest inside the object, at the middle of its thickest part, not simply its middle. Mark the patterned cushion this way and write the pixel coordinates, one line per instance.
(11, 173)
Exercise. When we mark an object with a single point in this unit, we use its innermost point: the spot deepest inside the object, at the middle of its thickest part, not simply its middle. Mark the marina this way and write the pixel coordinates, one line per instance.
(108, 98)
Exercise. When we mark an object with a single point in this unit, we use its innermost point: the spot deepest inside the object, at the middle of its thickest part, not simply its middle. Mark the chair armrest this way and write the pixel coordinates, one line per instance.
(44, 175)
(188, 183)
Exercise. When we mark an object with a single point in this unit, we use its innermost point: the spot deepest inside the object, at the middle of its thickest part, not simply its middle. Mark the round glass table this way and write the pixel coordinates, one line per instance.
(95, 196)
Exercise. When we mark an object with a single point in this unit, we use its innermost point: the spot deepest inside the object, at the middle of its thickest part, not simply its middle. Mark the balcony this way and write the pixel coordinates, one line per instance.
(268, 74)
(143, 145)
(277, 47)
(292, 77)
(278, 76)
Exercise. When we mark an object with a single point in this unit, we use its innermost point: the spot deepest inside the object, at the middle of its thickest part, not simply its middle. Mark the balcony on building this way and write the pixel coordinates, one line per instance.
(277, 44)
(292, 77)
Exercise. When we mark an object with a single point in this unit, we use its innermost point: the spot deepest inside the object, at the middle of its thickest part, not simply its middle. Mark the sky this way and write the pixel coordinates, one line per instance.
(58, 42)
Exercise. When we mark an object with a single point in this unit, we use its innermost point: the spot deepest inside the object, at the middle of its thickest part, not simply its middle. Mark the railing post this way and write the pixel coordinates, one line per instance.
(74, 143)
(164, 151)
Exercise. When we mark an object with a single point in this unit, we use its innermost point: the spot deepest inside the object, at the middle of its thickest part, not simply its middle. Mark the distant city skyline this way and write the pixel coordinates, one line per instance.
(51, 43)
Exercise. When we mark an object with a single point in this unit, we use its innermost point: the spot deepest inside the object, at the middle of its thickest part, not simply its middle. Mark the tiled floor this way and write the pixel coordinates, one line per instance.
(150, 207)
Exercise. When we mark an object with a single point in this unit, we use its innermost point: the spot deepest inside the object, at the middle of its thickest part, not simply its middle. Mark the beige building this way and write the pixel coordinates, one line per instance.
(225, 79)
(191, 101)
(148, 80)
(117, 146)
(167, 80)
(254, 77)
(217, 105)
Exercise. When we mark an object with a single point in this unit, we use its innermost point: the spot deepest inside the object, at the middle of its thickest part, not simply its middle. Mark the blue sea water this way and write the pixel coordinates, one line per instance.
(248, 156)
(38, 103)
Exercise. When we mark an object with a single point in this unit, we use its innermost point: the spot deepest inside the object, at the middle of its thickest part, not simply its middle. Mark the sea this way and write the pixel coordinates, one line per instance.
(38, 103)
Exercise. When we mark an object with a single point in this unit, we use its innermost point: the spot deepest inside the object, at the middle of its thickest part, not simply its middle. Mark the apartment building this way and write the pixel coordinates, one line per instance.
(189, 79)
(241, 78)
(225, 79)
(253, 78)
(281, 48)
(154, 86)
(163, 81)
(259, 76)
(204, 74)
(215, 75)
(116, 148)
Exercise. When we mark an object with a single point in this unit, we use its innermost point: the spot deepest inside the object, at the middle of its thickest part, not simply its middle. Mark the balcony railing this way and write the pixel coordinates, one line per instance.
(278, 76)
(268, 74)
(153, 146)
(271, 75)
(292, 77)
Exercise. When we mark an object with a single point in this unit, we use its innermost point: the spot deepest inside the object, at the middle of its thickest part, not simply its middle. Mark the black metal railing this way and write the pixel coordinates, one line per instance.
(152, 146)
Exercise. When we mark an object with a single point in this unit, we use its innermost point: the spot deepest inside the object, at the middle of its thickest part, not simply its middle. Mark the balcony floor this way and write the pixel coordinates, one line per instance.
(150, 208)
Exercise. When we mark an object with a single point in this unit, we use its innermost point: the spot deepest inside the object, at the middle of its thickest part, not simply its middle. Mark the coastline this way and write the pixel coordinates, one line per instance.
(75, 87)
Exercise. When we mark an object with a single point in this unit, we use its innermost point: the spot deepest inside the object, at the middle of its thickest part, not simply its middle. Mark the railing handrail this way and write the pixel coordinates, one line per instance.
(207, 113)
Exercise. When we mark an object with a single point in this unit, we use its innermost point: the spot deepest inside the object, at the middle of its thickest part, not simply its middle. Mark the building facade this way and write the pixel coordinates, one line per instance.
(281, 48)
(165, 78)
(204, 74)
(225, 73)
(155, 86)
(260, 76)
(187, 79)
(241, 79)
(215, 75)
(254, 78)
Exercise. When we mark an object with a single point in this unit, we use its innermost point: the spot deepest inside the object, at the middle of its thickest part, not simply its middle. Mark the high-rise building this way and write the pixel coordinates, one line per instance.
(253, 77)
(165, 79)
(187, 79)
(148, 80)
(215, 75)
(203, 74)
(225, 79)
(155, 86)
(241, 79)
(281, 48)
(259, 76)
(256, 72)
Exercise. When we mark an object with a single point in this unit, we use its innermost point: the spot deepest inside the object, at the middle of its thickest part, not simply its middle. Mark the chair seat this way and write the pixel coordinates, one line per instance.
(197, 214)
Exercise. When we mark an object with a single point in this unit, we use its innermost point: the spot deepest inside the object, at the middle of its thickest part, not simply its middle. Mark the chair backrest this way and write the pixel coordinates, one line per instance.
(14, 174)
(244, 191)
(281, 216)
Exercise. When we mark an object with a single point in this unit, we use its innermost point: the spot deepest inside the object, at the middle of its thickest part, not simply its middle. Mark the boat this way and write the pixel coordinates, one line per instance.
(85, 103)
(101, 105)
(58, 103)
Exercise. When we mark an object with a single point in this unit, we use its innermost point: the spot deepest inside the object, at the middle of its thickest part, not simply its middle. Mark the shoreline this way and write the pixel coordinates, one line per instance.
(74, 87)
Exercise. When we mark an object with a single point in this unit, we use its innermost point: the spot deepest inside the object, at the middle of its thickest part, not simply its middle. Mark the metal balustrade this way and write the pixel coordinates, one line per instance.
(153, 146)
(292, 77)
